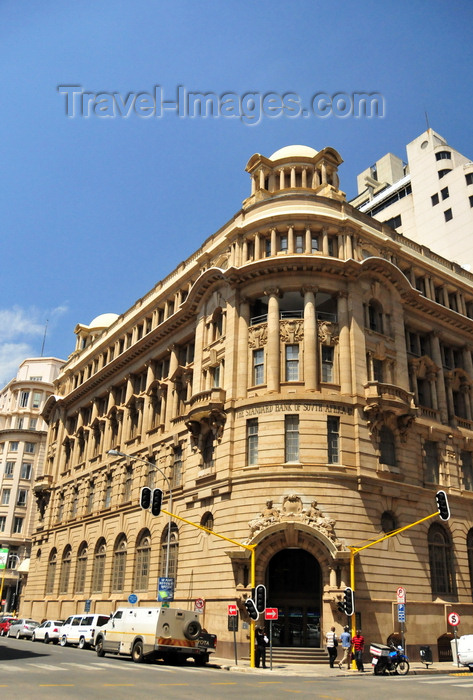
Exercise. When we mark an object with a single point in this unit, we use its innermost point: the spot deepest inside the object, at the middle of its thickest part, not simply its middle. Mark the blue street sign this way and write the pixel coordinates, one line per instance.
(401, 612)
(165, 589)
(132, 599)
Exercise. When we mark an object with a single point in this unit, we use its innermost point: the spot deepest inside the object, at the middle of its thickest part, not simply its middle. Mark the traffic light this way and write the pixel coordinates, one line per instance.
(442, 505)
(260, 598)
(349, 601)
(341, 606)
(251, 609)
(145, 497)
(156, 501)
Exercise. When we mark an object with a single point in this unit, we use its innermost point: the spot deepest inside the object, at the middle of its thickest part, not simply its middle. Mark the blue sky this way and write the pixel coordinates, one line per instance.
(94, 211)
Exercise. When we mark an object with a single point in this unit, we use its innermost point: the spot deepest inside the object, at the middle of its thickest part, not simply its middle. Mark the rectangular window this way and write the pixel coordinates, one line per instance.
(394, 222)
(435, 199)
(467, 470)
(22, 497)
(3, 520)
(252, 441)
(17, 525)
(333, 439)
(267, 247)
(291, 438)
(283, 243)
(469, 178)
(299, 243)
(470, 198)
(327, 363)
(314, 243)
(176, 475)
(443, 172)
(443, 155)
(258, 366)
(6, 497)
(378, 373)
(9, 468)
(292, 363)
(24, 396)
(36, 399)
(29, 447)
(32, 424)
(448, 215)
(13, 447)
(20, 423)
(444, 193)
(36, 379)
(431, 462)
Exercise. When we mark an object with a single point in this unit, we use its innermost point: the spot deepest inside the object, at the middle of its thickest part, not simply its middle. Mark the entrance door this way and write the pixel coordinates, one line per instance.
(293, 581)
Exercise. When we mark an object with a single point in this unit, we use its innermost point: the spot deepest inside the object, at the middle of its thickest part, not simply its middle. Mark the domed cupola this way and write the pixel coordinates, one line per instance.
(291, 168)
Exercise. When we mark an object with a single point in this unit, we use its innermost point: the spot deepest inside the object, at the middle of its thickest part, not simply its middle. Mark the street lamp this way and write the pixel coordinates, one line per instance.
(117, 453)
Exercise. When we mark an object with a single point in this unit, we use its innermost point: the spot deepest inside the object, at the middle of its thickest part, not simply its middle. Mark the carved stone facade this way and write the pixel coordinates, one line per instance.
(291, 361)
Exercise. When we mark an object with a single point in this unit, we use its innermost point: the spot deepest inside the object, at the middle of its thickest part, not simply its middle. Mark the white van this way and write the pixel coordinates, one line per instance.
(465, 650)
(81, 629)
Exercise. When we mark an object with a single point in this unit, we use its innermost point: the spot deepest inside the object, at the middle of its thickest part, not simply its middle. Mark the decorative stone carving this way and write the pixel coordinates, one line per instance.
(258, 335)
(327, 332)
(291, 331)
(293, 510)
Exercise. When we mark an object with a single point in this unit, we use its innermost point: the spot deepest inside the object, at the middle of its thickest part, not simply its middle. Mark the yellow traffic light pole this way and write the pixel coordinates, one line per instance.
(251, 548)
(360, 548)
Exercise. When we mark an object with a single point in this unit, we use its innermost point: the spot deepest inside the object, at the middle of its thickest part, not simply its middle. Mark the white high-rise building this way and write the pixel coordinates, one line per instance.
(429, 199)
(22, 452)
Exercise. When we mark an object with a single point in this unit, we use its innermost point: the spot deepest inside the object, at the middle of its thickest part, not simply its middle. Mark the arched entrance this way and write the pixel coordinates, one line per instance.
(294, 585)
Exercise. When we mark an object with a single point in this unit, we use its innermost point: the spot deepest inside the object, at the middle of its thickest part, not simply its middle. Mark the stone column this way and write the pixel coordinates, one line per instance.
(274, 242)
(325, 241)
(344, 342)
(323, 171)
(198, 353)
(450, 404)
(308, 240)
(245, 251)
(171, 408)
(290, 240)
(310, 340)
(293, 176)
(261, 179)
(281, 179)
(273, 345)
(243, 359)
(257, 246)
(441, 394)
(304, 177)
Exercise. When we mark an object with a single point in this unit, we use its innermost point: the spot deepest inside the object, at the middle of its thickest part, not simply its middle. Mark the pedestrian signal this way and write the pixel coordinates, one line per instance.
(145, 497)
(442, 505)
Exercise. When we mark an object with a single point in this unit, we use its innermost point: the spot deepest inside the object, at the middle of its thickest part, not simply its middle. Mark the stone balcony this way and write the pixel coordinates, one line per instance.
(389, 397)
(202, 404)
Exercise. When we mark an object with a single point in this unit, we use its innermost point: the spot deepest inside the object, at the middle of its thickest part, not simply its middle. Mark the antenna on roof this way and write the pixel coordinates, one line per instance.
(427, 120)
(44, 337)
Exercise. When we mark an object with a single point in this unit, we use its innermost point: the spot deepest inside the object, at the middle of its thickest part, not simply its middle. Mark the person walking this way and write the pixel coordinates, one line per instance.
(358, 647)
(332, 643)
(260, 655)
(345, 639)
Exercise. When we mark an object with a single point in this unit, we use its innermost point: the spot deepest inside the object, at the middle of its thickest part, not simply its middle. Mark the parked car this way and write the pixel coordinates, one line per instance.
(465, 650)
(48, 631)
(81, 629)
(5, 623)
(23, 627)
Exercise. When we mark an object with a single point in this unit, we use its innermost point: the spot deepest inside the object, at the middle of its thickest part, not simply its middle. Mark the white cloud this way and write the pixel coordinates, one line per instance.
(11, 356)
(20, 330)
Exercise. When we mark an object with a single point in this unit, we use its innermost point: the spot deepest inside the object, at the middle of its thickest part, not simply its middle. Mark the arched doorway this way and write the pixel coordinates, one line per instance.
(294, 584)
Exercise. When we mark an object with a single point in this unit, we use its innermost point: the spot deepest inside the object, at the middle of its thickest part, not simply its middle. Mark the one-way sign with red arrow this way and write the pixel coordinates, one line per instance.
(271, 614)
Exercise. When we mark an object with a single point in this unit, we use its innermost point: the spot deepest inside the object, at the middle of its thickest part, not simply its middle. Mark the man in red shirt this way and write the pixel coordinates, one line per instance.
(358, 647)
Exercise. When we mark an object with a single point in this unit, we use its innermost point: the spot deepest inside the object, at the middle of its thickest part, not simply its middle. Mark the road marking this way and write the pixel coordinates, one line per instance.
(118, 685)
(56, 685)
(463, 685)
(47, 667)
(89, 667)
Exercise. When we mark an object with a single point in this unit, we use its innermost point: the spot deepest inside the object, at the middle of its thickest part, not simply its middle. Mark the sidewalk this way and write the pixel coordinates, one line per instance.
(323, 670)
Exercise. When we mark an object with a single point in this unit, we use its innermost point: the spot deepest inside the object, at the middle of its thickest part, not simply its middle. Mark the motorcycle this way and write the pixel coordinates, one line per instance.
(389, 659)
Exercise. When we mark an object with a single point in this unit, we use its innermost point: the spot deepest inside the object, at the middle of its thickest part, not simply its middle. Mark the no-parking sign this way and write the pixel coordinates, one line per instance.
(453, 619)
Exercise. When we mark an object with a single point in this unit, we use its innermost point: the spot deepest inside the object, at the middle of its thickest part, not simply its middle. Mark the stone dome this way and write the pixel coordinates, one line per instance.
(103, 321)
(294, 152)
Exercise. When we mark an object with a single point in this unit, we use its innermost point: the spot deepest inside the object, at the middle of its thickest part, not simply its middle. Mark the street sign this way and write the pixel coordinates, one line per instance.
(453, 619)
(87, 605)
(3, 557)
(132, 598)
(232, 623)
(401, 612)
(401, 595)
(232, 610)
(199, 605)
(271, 613)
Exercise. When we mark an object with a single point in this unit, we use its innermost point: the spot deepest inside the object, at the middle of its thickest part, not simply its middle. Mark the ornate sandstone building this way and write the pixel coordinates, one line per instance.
(305, 383)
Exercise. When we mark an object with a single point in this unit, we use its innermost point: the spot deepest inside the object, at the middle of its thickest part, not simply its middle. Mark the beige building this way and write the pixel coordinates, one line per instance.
(300, 394)
(23, 434)
(428, 199)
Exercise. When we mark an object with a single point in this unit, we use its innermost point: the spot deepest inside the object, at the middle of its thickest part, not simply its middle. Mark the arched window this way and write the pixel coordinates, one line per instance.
(440, 558)
(79, 583)
(119, 564)
(375, 316)
(173, 552)
(51, 574)
(387, 446)
(65, 570)
(207, 520)
(143, 554)
(99, 566)
(469, 546)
